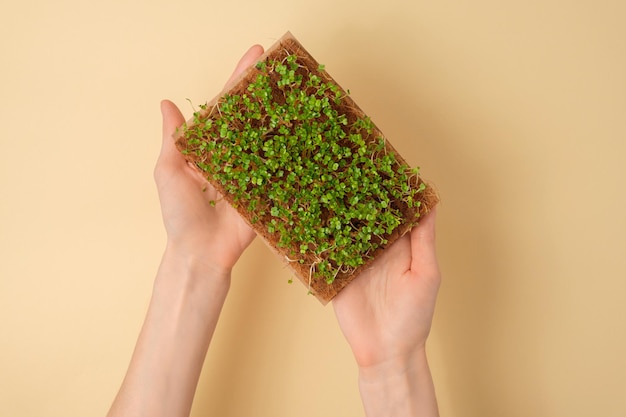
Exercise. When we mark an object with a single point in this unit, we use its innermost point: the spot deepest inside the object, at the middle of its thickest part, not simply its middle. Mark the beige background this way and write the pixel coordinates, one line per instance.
(514, 109)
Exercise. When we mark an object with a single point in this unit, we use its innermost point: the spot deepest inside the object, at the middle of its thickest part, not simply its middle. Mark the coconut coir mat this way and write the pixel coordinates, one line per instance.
(242, 141)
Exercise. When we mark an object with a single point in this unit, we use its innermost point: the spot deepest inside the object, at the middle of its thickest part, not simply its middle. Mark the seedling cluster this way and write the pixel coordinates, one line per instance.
(311, 172)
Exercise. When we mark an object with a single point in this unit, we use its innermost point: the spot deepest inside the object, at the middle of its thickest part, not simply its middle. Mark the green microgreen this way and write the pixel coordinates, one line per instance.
(321, 181)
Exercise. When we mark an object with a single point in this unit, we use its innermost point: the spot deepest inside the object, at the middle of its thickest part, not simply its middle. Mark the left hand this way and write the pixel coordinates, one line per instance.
(215, 234)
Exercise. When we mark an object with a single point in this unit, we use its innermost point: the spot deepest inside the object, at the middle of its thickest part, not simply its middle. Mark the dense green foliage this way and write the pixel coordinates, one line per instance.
(320, 181)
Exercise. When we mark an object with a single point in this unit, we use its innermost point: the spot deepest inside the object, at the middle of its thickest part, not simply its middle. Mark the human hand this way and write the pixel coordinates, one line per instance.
(386, 313)
(214, 234)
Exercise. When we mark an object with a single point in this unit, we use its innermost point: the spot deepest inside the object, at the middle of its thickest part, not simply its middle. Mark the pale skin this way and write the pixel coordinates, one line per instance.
(385, 314)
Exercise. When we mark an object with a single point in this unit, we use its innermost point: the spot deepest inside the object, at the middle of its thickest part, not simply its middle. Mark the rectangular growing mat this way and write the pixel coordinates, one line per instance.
(306, 168)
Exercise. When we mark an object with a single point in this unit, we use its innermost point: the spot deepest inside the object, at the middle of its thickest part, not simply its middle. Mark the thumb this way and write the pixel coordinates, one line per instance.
(248, 59)
(172, 119)
(423, 256)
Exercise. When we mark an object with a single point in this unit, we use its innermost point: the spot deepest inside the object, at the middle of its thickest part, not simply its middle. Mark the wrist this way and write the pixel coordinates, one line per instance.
(394, 367)
(187, 275)
(399, 386)
(195, 261)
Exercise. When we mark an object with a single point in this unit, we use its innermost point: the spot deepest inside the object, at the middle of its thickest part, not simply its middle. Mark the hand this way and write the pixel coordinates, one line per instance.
(203, 244)
(386, 313)
(217, 235)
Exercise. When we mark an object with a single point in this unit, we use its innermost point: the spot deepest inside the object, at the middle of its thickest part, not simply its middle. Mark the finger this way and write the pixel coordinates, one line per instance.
(423, 256)
(248, 59)
(172, 119)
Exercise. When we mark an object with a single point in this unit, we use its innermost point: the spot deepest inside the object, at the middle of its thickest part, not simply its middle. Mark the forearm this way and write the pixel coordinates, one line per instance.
(187, 298)
(402, 388)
